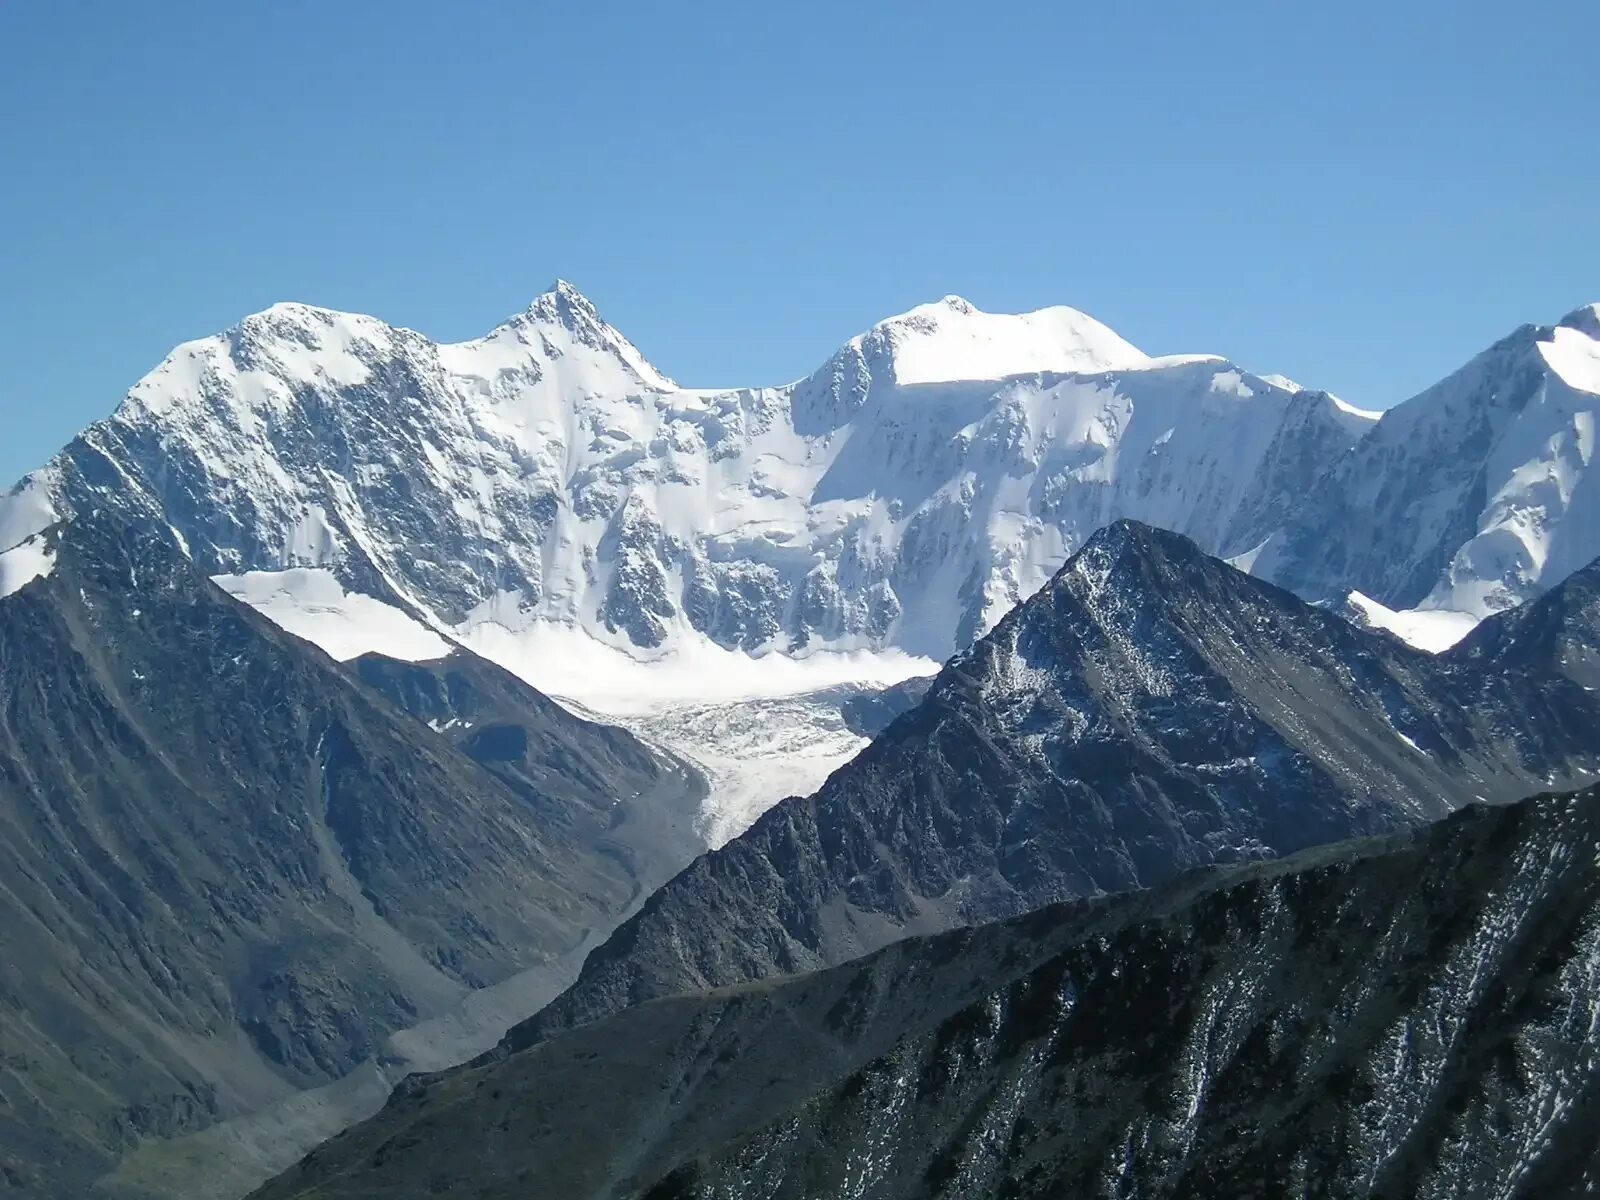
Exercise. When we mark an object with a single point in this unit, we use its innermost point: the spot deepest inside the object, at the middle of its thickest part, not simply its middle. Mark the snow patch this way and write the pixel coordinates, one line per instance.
(1432, 629)
(1574, 356)
(1344, 406)
(23, 563)
(310, 603)
(1246, 562)
(27, 509)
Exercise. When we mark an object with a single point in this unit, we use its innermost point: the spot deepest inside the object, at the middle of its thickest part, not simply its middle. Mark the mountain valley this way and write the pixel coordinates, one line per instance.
(504, 718)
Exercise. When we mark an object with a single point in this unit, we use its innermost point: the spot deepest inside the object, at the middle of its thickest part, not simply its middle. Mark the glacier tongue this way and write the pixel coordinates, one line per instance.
(759, 729)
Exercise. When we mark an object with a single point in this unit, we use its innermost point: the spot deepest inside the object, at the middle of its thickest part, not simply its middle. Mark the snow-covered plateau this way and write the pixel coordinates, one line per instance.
(667, 555)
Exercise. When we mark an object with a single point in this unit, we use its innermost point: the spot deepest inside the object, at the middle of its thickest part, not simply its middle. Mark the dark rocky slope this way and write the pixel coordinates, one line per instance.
(1150, 710)
(1414, 1015)
(228, 869)
(596, 783)
(871, 712)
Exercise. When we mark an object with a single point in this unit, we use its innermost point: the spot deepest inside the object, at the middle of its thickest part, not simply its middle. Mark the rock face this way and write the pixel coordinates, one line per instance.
(577, 776)
(871, 712)
(933, 472)
(1413, 1015)
(1557, 634)
(1151, 710)
(1473, 496)
(229, 870)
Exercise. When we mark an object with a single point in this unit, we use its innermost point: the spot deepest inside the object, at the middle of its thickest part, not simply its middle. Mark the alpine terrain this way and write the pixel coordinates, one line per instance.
(231, 874)
(1469, 498)
(1151, 710)
(365, 703)
(680, 559)
(1416, 1015)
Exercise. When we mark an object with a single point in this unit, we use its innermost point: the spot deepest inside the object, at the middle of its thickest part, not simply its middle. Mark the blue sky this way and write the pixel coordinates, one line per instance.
(1358, 195)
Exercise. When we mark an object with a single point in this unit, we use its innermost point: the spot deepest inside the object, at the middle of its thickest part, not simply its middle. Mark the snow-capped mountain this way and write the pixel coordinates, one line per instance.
(547, 479)
(549, 498)
(1149, 711)
(1470, 497)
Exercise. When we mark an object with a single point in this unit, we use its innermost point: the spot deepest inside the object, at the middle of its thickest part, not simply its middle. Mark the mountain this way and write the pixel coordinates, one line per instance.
(1151, 710)
(931, 473)
(1412, 1015)
(231, 872)
(546, 497)
(1471, 497)
(573, 774)
(870, 713)
(1557, 634)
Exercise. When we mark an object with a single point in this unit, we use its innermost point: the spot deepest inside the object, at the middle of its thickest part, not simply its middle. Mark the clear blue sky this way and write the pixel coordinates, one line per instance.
(1359, 195)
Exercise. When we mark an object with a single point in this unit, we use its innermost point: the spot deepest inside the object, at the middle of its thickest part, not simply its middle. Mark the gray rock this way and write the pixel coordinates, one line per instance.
(230, 869)
(1404, 1016)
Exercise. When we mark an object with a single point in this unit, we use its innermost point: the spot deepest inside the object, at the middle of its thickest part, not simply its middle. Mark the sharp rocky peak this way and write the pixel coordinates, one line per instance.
(565, 305)
(1133, 556)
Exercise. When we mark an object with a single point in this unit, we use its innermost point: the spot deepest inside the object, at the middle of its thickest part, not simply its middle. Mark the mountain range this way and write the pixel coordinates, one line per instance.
(1150, 710)
(1402, 1016)
(623, 542)
(363, 698)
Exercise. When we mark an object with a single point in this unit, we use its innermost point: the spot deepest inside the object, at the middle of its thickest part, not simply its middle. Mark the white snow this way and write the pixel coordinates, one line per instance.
(1409, 741)
(950, 341)
(1344, 406)
(310, 603)
(1575, 357)
(28, 509)
(1542, 519)
(1246, 561)
(1433, 630)
(565, 660)
(23, 563)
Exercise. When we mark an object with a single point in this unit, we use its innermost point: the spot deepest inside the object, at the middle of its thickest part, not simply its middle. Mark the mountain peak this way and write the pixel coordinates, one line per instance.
(564, 307)
(1585, 319)
(565, 304)
(952, 340)
(1125, 541)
